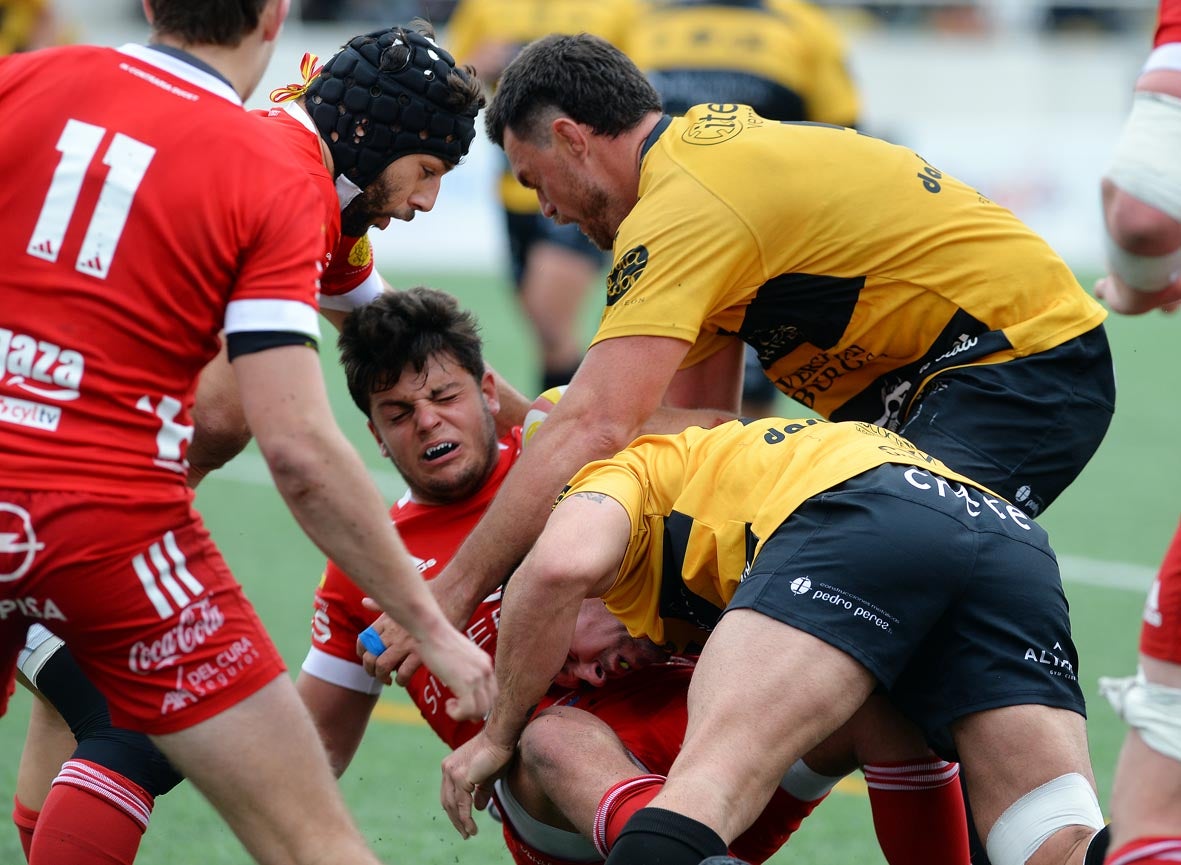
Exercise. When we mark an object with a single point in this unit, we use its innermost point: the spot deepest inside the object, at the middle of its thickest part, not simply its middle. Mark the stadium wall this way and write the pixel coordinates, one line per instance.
(1028, 120)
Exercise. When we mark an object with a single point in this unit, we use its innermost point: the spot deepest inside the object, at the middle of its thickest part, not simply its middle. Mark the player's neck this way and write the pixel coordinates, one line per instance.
(239, 65)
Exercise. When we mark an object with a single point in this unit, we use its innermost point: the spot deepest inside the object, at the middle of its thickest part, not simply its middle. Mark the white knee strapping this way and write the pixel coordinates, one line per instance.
(1145, 162)
(546, 839)
(805, 784)
(40, 646)
(1068, 800)
(1153, 711)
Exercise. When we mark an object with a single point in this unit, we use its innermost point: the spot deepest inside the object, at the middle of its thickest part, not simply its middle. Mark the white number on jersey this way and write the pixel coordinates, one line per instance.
(171, 434)
(127, 160)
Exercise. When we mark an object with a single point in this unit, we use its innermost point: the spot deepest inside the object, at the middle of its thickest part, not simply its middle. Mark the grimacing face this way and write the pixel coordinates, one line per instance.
(602, 649)
(408, 185)
(438, 427)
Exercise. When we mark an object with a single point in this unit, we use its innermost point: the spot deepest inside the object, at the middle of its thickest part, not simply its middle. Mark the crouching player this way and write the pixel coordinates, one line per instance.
(825, 561)
(414, 367)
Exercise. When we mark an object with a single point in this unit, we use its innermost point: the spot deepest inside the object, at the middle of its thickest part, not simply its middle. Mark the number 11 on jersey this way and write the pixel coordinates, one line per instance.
(127, 160)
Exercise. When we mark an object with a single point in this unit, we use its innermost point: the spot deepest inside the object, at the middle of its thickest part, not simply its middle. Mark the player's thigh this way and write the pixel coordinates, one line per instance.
(1009, 752)
(260, 764)
(763, 693)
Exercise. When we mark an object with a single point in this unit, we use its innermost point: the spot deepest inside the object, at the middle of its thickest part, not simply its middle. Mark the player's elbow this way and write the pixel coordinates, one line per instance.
(299, 463)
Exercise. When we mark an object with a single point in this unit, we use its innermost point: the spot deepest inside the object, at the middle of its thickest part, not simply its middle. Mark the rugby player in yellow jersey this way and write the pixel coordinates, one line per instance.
(553, 267)
(822, 560)
(874, 286)
(783, 58)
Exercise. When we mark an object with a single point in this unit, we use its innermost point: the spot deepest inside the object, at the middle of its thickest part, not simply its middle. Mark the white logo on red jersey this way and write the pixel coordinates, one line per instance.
(32, 608)
(40, 368)
(197, 624)
(18, 542)
(171, 574)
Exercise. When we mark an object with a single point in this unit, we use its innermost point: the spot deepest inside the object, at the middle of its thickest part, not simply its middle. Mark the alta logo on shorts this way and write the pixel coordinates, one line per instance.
(626, 273)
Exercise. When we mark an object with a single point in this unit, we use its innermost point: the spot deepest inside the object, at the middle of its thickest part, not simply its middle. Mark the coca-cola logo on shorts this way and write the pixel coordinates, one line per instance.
(197, 623)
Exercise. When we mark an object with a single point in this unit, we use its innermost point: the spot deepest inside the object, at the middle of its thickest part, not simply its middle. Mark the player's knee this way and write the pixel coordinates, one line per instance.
(1066, 802)
(546, 738)
(133, 756)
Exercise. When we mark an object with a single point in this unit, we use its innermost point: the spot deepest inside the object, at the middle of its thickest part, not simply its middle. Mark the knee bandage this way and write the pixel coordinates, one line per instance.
(1068, 800)
(547, 840)
(40, 646)
(805, 784)
(1145, 166)
(1153, 711)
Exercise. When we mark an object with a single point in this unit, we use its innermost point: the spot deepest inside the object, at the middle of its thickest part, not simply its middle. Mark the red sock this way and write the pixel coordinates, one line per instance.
(25, 819)
(1146, 851)
(617, 806)
(918, 812)
(92, 816)
(771, 829)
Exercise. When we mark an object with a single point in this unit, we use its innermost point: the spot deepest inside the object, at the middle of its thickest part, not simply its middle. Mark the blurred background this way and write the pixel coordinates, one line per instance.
(1021, 98)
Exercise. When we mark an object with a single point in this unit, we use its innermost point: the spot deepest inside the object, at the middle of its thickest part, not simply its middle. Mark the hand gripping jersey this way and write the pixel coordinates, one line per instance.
(784, 58)
(856, 269)
(702, 504)
(515, 23)
(144, 221)
(348, 264)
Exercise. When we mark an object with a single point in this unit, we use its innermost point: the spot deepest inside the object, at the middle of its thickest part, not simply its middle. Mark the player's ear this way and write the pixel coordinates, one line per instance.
(273, 16)
(571, 133)
(385, 452)
(488, 389)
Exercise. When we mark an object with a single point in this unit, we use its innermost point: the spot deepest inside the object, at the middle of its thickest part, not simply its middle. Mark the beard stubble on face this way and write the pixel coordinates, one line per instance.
(363, 210)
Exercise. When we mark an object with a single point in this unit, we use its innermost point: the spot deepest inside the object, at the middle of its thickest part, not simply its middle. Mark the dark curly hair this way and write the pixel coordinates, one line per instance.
(402, 330)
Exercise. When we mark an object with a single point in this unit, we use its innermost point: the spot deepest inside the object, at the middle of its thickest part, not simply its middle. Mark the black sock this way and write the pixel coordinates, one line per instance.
(654, 836)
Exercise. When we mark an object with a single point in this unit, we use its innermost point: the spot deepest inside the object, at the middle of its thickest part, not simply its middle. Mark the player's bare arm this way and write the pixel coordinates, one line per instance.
(619, 385)
(715, 382)
(325, 484)
(537, 623)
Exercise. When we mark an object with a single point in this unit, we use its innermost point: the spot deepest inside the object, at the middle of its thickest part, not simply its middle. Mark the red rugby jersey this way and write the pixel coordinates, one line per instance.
(1168, 23)
(350, 259)
(143, 211)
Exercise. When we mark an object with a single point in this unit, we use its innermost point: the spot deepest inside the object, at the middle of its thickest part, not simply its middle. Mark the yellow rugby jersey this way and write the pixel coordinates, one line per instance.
(519, 22)
(784, 57)
(18, 22)
(702, 503)
(855, 268)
